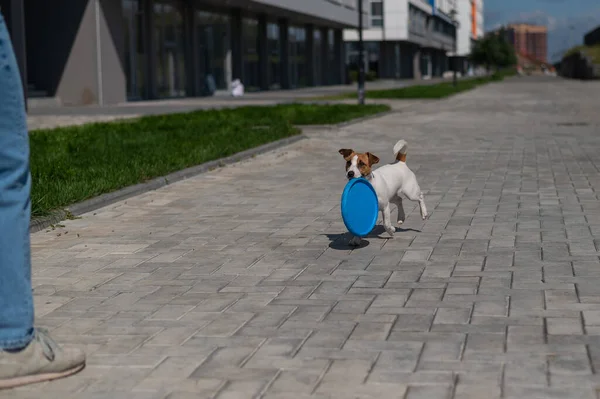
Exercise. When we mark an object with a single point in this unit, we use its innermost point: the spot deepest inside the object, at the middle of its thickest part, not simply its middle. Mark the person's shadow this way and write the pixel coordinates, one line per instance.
(341, 242)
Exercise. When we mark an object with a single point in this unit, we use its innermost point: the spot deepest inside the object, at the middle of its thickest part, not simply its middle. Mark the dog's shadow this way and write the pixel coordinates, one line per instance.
(341, 242)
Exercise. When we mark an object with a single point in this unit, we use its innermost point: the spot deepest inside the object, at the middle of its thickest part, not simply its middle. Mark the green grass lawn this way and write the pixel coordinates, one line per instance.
(72, 164)
(430, 91)
(311, 114)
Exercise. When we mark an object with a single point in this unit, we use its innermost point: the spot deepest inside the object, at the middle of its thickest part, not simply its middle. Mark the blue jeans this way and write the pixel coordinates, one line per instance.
(16, 297)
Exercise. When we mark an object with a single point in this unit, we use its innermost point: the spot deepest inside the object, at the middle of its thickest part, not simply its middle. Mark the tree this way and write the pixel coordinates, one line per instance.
(493, 50)
(508, 56)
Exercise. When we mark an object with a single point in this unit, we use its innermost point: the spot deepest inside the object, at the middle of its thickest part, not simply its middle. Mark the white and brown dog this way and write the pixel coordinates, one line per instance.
(389, 181)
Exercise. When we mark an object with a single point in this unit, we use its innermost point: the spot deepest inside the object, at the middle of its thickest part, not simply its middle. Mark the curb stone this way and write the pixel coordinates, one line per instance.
(38, 224)
(103, 200)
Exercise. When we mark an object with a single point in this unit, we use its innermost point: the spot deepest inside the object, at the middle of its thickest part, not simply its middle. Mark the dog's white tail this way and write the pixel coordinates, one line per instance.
(400, 150)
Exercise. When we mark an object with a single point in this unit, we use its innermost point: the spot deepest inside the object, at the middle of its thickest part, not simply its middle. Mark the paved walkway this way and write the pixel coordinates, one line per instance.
(239, 283)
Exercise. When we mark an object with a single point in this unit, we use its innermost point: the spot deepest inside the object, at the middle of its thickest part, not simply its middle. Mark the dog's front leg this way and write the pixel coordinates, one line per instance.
(355, 241)
(387, 220)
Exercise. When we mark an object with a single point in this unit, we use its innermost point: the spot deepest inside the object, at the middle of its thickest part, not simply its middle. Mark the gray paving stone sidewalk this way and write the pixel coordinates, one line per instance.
(239, 283)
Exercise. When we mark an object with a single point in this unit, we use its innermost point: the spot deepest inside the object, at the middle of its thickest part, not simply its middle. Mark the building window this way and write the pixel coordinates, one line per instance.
(274, 49)
(317, 58)
(250, 54)
(136, 60)
(170, 49)
(333, 75)
(376, 14)
(373, 57)
(418, 21)
(297, 56)
(212, 35)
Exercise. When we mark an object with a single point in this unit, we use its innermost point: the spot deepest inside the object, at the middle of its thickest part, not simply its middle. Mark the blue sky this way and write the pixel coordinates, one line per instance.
(567, 20)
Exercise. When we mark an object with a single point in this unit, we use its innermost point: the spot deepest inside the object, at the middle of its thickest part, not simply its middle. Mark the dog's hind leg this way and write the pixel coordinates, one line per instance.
(422, 206)
(397, 200)
(415, 194)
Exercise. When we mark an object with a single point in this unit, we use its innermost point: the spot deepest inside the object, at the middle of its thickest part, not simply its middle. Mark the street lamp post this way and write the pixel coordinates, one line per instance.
(361, 62)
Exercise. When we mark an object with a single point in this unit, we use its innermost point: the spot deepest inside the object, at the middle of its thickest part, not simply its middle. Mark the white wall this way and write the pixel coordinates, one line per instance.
(447, 5)
(421, 4)
(340, 11)
(395, 20)
(464, 31)
(480, 7)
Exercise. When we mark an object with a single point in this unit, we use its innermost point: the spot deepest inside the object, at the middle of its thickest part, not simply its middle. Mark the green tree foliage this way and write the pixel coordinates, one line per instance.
(493, 50)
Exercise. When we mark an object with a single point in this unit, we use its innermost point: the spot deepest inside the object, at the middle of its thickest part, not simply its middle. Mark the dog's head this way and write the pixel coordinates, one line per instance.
(358, 165)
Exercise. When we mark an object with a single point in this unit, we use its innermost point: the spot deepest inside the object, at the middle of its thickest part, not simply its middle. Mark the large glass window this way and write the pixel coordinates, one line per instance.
(212, 37)
(331, 57)
(297, 43)
(170, 49)
(317, 59)
(373, 52)
(250, 54)
(135, 55)
(376, 13)
(274, 51)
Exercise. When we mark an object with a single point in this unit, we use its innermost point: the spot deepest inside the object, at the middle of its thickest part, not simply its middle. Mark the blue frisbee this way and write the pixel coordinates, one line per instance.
(359, 207)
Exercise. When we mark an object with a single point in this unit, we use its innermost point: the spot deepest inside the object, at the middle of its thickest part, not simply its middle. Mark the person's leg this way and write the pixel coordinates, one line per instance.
(16, 299)
(26, 354)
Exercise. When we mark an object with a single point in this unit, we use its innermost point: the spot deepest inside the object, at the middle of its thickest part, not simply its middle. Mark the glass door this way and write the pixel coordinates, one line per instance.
(297, 63)
(135, 56)
(250, 54)
(170, 50)
(212, 38)
(293, 54)
(274, 50)
(318, 61)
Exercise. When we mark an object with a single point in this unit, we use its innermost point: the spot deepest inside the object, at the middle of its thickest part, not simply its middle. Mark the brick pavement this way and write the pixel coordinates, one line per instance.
(239, 284)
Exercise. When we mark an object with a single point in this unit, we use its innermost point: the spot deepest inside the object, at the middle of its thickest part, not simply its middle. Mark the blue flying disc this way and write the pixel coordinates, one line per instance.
(359, 207)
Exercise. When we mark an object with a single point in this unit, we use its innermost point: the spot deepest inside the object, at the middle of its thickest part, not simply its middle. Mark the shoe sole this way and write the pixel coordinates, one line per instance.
(33, 379)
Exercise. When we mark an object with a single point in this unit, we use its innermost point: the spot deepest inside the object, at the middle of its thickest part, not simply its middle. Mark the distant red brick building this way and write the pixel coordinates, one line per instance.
(529, 40)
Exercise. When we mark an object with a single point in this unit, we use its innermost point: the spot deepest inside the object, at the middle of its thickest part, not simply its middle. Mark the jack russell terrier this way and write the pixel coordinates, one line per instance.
(389, 181)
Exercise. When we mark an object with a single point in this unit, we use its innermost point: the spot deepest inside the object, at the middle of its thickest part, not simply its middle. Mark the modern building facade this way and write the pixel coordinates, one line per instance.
(110, 51)
(469, 14)
(530, 41)
(406, 38)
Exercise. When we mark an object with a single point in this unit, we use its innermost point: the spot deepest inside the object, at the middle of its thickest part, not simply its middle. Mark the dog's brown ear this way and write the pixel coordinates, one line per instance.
(346, 153)
(372, 158)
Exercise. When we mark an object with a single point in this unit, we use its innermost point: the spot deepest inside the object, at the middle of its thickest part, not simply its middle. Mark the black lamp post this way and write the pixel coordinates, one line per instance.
(361, 63)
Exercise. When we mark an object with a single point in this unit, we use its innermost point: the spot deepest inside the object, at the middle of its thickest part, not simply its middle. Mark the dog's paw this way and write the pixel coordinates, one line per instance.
(400, 222)
(355, 241)
(390, 230)
(424, 216)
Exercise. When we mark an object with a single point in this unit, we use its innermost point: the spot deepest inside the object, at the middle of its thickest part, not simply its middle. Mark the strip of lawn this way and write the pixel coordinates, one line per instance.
(311, 114)
(434, 91)
(431, 91)
(75, 163)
